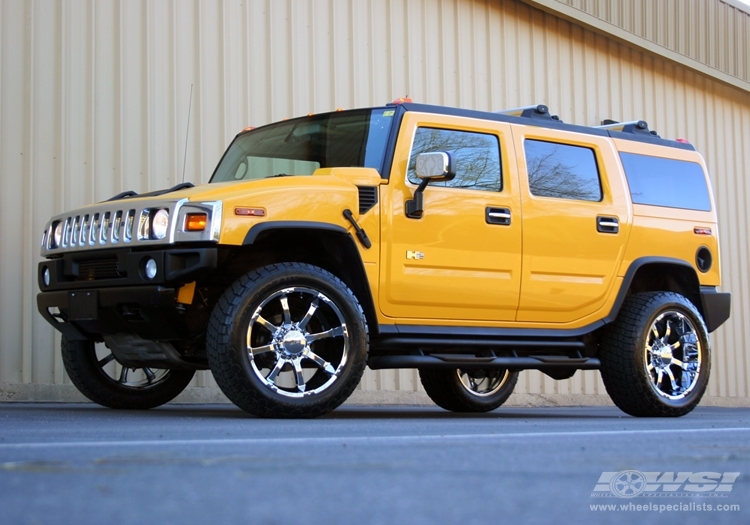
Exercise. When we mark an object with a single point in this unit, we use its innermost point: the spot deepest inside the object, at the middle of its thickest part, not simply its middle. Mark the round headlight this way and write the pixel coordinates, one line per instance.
(58, 234)
(160, 224)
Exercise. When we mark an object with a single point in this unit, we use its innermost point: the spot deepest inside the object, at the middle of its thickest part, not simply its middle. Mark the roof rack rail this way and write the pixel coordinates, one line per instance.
(538, 111)
(633, 126)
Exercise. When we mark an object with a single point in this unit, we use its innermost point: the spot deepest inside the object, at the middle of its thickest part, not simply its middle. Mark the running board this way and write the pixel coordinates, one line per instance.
(465, 362)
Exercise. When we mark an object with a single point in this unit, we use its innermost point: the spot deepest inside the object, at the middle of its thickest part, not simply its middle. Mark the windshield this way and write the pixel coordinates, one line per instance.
(355, 138)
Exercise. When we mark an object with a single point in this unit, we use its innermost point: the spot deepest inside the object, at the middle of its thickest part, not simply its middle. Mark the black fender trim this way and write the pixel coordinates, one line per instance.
(630, 275)
(358, 284)
(256, 230)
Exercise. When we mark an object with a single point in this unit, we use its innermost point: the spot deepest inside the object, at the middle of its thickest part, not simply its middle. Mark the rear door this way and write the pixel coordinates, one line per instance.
(576, 223)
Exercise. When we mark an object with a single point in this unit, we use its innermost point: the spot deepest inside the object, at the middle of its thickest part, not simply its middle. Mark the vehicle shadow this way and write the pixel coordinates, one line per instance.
(346, 412)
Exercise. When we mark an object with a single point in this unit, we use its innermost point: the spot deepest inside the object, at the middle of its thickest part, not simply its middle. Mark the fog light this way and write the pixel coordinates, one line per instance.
(150, 268)
(46, 277)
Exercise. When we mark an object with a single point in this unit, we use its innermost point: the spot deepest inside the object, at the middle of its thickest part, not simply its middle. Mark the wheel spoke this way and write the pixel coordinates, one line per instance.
(267, 324)
(271, 378)
(261, 349)
(298, 373)
(310, 312)
(675, 388)
(104, 361)
(284, 300)
(333, 332)
(668, 331)
(679, 363)
(322, 363)
(124, 374)
(150, 376)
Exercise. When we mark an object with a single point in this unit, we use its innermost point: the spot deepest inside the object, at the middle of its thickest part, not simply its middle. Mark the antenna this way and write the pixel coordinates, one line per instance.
(187, 133)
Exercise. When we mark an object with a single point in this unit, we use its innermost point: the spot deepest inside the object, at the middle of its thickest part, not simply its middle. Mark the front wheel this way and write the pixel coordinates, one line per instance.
(94, 370)
(468, 390)
(287, 340)
(656, 357)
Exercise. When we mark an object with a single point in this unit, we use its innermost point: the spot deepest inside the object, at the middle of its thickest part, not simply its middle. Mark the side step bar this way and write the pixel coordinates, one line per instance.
(465, 362)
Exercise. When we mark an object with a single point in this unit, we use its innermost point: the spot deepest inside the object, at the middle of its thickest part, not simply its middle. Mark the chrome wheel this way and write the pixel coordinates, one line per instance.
(483, 383)
(673, 355)
(96, 373)
(656, 356)
(287, 340)
(297, 341)
(134, 378)
(468, 390)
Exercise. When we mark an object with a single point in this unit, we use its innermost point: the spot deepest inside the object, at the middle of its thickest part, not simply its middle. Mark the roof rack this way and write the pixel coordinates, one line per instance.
(633, 126)
(538, 111)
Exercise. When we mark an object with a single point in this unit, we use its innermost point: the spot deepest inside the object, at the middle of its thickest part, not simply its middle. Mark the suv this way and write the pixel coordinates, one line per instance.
(469, 245)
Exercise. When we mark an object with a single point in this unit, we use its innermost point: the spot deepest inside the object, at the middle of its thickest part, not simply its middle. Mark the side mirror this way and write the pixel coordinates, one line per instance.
(438, 166)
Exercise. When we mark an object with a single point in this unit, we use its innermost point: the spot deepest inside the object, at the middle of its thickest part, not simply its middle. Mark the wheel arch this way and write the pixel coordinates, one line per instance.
(655, 274)
(328, 246)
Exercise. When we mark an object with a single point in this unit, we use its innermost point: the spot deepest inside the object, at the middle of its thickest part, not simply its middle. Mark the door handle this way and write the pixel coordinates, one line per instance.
(607, 225)
(497, 215)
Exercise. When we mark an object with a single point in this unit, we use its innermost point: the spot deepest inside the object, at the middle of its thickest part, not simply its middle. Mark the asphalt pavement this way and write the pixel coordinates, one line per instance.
(184, 464)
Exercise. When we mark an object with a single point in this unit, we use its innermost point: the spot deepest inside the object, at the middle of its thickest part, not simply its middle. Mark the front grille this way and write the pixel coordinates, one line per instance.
(98, 269)
(368, 197)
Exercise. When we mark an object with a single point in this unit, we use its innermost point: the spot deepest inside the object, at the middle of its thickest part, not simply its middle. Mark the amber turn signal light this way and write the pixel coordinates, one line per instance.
(195, 222)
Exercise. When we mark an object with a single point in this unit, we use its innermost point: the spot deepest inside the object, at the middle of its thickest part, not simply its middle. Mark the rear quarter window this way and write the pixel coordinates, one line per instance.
(657, 181)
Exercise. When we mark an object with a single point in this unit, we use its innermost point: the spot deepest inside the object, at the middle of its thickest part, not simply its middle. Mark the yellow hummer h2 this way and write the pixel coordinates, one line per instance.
(469, 245)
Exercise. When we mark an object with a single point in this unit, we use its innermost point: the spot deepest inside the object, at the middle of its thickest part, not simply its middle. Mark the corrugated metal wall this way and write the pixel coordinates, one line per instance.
(94, 99)
(713, 33)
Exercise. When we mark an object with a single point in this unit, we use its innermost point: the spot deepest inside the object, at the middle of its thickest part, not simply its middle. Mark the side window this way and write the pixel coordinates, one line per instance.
(666, 182)
(562, 171)
(477, 157)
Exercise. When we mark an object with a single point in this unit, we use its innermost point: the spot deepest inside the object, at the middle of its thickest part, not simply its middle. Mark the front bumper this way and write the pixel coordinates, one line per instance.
(108, 292)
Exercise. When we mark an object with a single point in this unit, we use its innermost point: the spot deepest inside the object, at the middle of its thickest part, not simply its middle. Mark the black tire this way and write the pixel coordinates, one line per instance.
(88, 372)
(270, 359)
(643, 381)
(468, 390)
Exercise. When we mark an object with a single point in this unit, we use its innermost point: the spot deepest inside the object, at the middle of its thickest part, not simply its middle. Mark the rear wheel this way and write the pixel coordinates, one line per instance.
(656, 357)
(94, 370)
(468, 390)
(287, 340)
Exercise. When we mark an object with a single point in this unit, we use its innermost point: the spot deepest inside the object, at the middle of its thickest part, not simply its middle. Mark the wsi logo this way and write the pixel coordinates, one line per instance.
(632, 483)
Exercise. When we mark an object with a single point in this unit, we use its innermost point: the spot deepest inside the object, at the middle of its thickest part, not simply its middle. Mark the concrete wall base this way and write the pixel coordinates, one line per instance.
(33, 393)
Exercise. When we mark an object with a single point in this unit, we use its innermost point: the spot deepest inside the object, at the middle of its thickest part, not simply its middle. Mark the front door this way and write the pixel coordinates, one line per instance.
(462, 259)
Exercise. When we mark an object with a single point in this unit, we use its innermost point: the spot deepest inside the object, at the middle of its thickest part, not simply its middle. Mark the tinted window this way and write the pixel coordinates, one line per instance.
(477, 157)
(666, 182)
(562, 171)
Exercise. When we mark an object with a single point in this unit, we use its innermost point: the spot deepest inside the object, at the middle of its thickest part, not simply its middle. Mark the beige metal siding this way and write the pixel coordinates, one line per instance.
(714, 32)
(94, 99)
